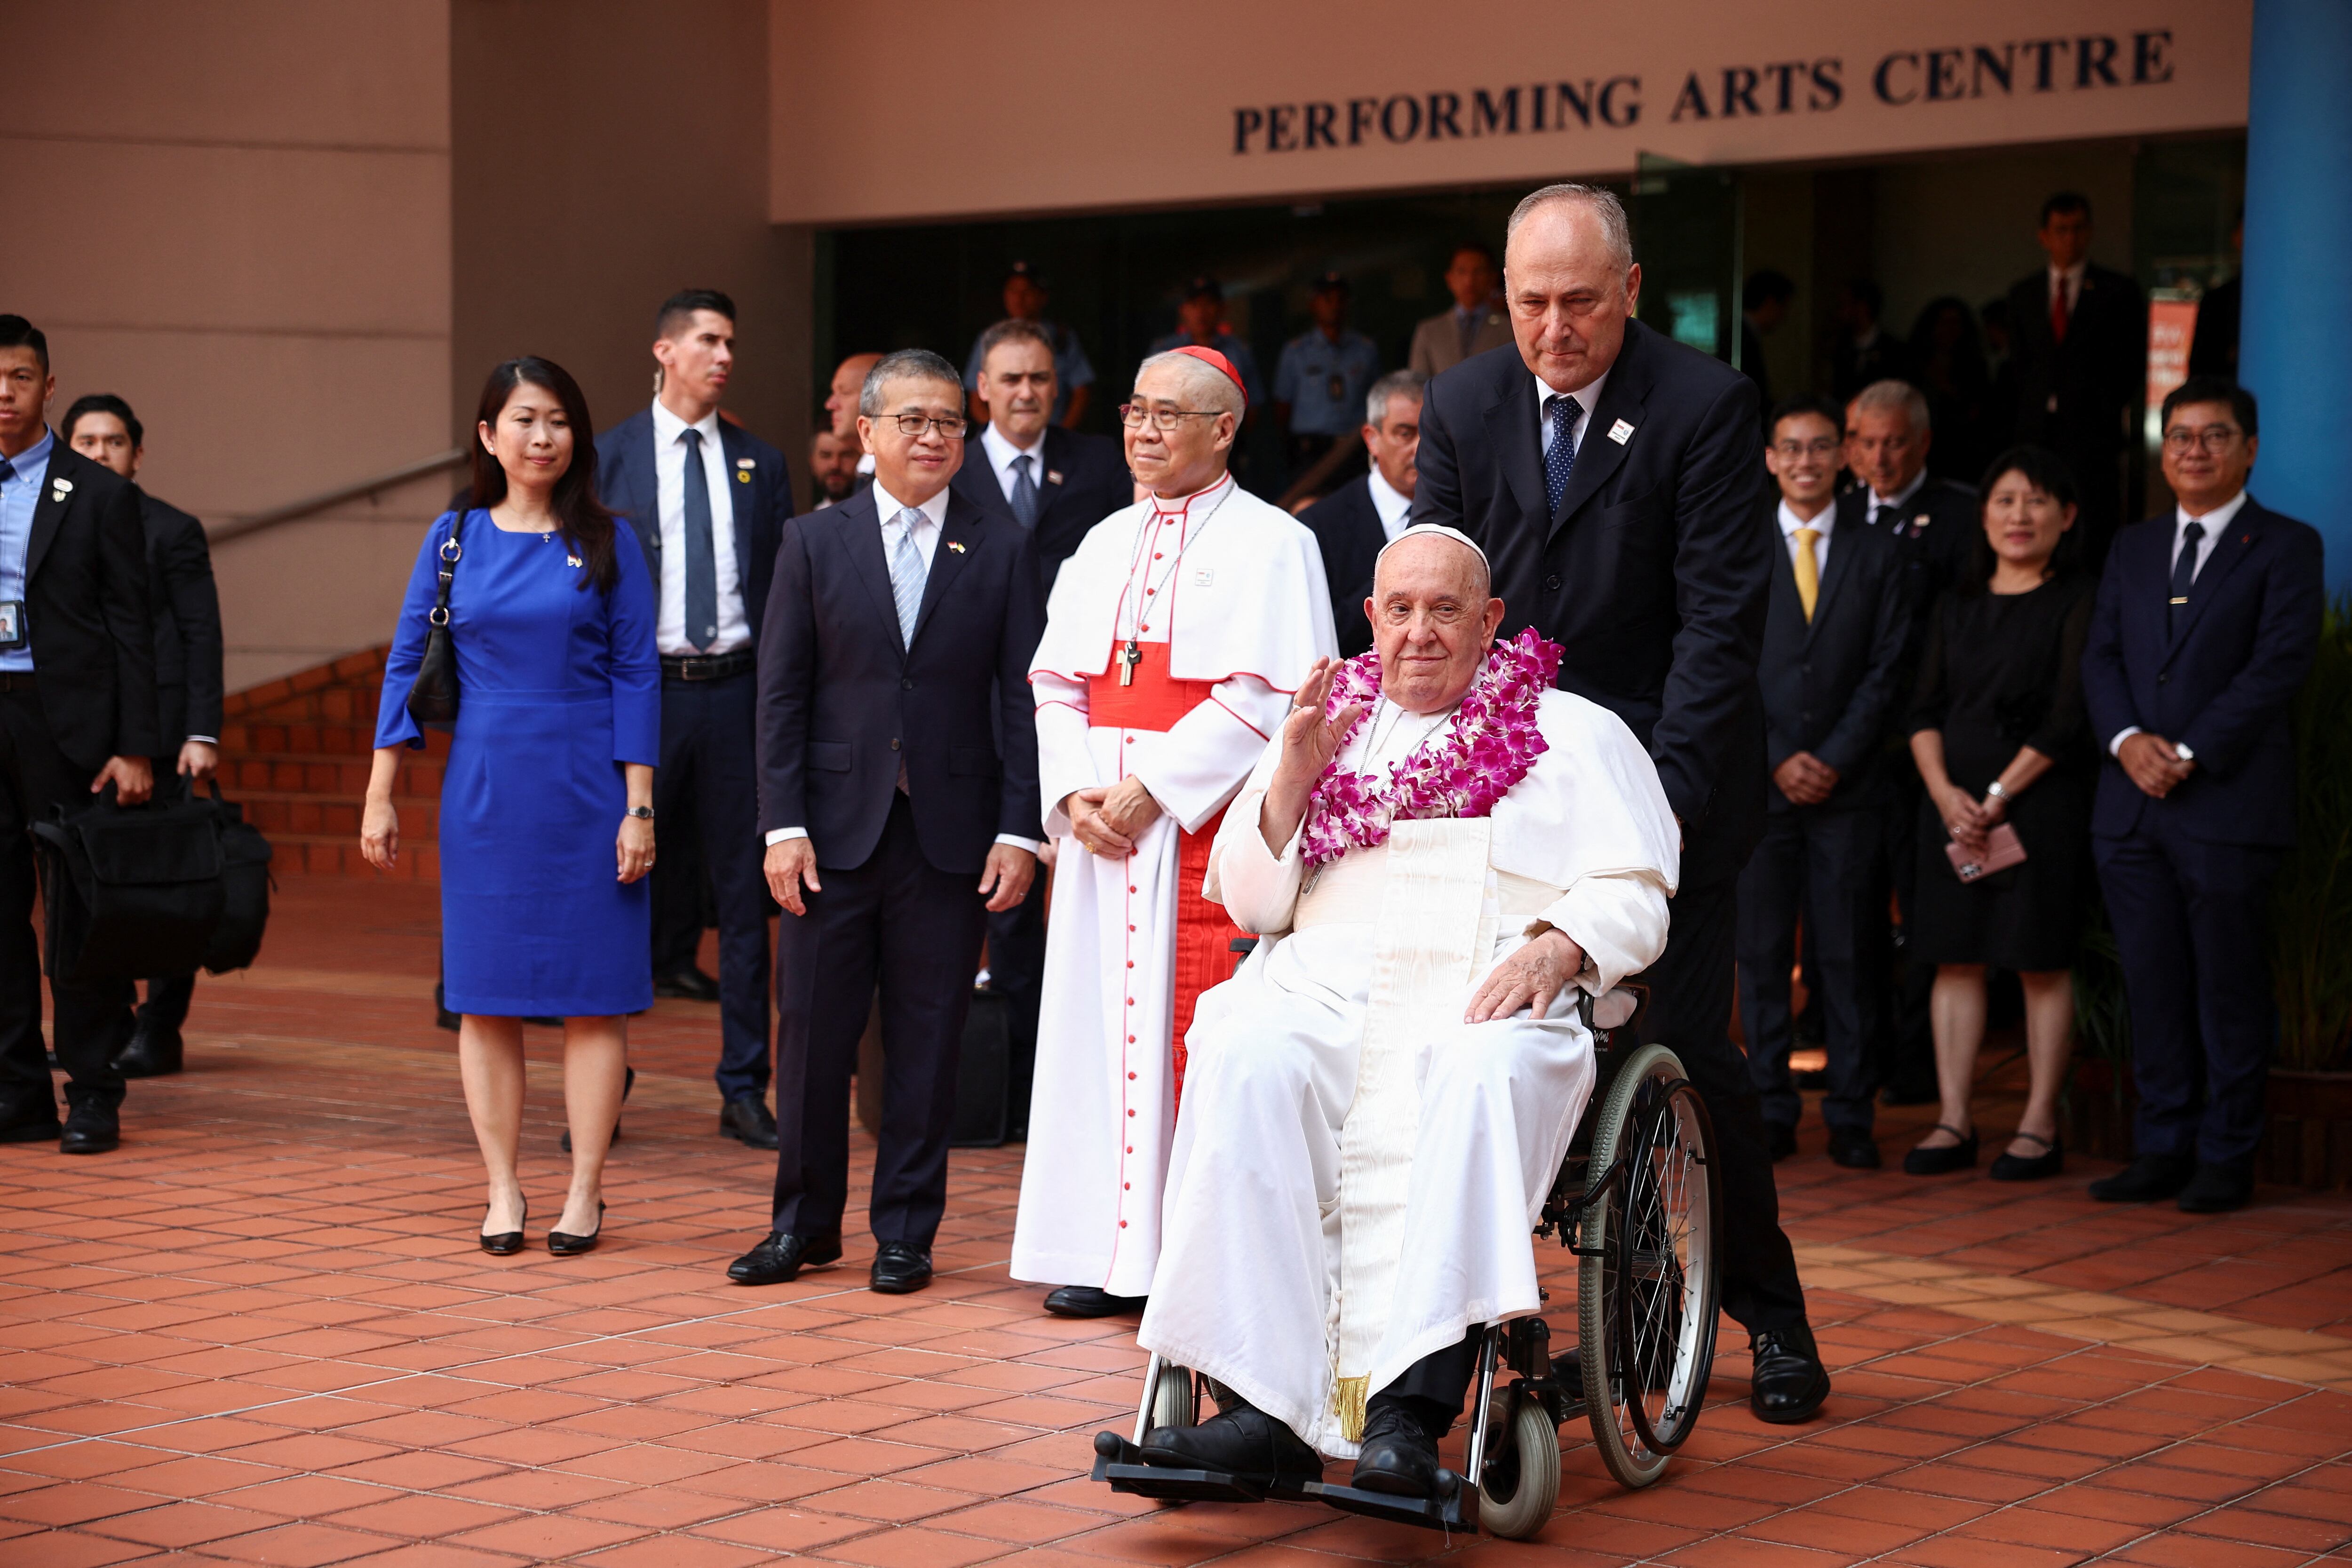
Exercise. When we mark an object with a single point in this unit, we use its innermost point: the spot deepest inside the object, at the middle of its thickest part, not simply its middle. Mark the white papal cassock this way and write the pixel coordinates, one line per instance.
(1324, 1230)
(1223, 598)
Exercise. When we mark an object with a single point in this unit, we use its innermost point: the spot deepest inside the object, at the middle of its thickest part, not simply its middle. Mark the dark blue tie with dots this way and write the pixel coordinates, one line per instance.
(2184, 575)
(702, 554)
(1560, 456)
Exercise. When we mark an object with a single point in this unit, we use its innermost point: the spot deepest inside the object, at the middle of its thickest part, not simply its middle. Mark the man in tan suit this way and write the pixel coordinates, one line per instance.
(1474, 325)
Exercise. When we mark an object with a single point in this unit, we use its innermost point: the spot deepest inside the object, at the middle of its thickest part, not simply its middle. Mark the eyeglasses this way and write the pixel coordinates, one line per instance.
(952, 426)
(1133, 415)
(1821, 448)
(2214, 438)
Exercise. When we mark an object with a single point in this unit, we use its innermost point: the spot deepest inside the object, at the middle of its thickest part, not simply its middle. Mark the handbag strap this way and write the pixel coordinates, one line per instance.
(450, 554)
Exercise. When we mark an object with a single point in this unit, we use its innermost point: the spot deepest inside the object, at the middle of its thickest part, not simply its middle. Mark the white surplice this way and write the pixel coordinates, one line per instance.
(1233, 589)
(1249, 1284)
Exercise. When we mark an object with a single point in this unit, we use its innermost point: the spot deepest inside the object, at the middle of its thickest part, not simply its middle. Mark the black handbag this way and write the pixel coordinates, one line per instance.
(983, 1112)
(433, 700)
(130, 892)
(245, 887)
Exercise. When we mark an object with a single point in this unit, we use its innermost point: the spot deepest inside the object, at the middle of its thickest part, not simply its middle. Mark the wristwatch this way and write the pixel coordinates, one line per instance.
(647, 812)
(1994, 792)
(2183, 753)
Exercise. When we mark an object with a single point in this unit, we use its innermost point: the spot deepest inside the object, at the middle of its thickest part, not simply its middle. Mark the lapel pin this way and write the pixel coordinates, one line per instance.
(1620, 432)
(742, 478)
(61, 485)
(572, 562)
(746, 463)
(1053, 476)
(956, 546)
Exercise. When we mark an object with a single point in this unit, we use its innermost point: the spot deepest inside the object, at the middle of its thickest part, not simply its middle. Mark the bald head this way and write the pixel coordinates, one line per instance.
(841, 399)
(1571, 284)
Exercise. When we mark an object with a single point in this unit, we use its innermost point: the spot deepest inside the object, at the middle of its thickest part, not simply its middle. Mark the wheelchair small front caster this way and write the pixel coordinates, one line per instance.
(1521, 1483)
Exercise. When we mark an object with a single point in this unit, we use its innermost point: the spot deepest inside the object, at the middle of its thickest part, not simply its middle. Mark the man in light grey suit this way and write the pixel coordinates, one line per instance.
(1474, 325)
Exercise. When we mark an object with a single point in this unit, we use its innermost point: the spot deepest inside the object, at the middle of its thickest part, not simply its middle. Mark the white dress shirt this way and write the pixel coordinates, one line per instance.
(2216, 523)
(1002, 453)
(1822, 523)
(1899, 499)
(1588, 398)
(1395, 507)
(669, 502)
(931, 516)
(2069, 280)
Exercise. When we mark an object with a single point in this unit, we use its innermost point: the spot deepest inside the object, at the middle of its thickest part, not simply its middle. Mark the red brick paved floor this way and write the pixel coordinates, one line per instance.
(261, 1332)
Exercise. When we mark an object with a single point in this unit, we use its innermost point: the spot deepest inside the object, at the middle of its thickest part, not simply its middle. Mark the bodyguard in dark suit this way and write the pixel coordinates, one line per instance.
(76, 711)
(708, 501)
(2079, 337)
(1355, 522)
(188, 680)
(1832, 668)
(1631, 531)
(898, 796)
(2204, 628)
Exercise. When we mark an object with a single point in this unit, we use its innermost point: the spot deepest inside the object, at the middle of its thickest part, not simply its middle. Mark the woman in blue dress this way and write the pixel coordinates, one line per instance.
(546, 824)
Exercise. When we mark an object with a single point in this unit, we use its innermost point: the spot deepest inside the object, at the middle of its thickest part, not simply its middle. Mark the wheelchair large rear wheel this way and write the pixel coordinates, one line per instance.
(1648, 1286)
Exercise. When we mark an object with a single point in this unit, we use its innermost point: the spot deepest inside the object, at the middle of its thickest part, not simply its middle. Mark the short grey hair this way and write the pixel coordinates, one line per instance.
(906, 364)
(1205, 381)
(1014, 330)
(1885, 396)
(1603, 202)
(1404, 383)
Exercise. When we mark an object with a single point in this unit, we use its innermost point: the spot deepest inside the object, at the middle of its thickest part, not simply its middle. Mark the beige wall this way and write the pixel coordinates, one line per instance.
(1966, 227)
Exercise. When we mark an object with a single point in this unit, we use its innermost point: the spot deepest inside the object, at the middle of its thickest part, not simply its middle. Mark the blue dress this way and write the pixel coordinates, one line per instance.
(559, 685)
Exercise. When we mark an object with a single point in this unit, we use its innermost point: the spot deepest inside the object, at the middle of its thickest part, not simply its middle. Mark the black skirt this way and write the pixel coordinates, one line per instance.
(2029, 917)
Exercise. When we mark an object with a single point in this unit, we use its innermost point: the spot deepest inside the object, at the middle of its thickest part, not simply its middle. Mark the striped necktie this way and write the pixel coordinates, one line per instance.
(907, 574)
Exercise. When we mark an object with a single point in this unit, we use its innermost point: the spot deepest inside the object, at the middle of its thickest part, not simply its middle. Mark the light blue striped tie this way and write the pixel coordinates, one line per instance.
(907, 574)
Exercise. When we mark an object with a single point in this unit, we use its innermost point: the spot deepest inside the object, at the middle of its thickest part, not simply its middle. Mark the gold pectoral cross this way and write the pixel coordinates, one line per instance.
(1128, 657)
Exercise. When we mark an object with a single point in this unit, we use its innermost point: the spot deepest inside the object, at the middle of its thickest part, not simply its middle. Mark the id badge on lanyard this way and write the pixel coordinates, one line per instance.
(12, 625)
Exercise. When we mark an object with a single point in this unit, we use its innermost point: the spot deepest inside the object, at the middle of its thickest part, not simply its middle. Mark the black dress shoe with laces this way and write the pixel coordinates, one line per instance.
(1398, 1456)
(90, 1129)
(900, 1267)
(747, 1117)
(2147, 1178)
(1244, 1441)
(1087, 1301)
(782, 1257)
(689, 984)
(1788, 1382)
(155, 1051)
(1854, 1151)
(2218, 1188)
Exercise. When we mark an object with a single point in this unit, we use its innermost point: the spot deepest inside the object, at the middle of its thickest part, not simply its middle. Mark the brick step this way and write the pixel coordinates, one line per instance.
(338, 855)
(333, 704)
(278, 814)
(310, 737)
(333, 777)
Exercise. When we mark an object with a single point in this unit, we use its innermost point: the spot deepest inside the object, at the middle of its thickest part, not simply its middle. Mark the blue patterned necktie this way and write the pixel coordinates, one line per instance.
(2184, 575)
(1024, 490)
(907, 574)
(701, 556)
(1560, 457)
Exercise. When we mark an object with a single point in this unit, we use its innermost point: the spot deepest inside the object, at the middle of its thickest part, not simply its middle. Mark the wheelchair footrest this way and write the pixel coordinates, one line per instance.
(1456, 1506)
(1120, 1463)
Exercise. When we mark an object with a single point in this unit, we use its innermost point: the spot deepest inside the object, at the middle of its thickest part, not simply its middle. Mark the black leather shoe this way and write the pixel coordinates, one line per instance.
(1782, 1140)
(507, 1243)
(2010, 1167)
(782, 1258)
(1244, 1441)
(688, 984)
(1943, 1162)
(2217, 1189)
(566, 1243)
(2147, 1178)
(1398, 1456)
(628, 1082)
(1085, 1302)
(154, 1051)
(1854, 1151)
(90, 1129)
(1788, 1382)
(747, 1117)
(900, 1267)
(30, 1130)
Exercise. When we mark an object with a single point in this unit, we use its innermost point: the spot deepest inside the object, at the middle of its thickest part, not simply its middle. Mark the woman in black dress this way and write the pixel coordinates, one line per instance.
(1999, 733)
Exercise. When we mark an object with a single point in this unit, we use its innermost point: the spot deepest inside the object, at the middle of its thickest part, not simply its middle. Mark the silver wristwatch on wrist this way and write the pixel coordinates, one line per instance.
(647, 812)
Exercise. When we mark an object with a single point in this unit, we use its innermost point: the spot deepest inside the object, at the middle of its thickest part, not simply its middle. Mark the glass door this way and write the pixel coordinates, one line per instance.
(1686, 237)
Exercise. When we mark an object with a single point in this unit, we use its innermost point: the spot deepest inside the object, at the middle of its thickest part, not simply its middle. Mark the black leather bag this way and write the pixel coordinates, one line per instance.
(433, 700)
(245, 887)
(130, 892)
(983, 1112)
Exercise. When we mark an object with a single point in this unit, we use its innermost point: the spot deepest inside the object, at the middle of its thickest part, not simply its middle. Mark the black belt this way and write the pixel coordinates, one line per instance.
(16, 680)
(707, 667)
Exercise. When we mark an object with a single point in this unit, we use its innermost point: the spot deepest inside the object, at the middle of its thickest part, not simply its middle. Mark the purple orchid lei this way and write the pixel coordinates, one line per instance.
(1489, 747)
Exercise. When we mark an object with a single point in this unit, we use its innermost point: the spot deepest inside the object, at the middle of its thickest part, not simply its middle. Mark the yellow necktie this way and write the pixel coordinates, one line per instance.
(1809, 571)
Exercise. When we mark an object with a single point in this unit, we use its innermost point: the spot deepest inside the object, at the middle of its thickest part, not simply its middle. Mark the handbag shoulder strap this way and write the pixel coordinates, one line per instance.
(448, 552)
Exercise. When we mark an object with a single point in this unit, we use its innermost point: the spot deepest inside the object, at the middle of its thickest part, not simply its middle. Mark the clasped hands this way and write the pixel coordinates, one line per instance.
(1967, 818)
(791, 870)
(1107, 819)
(2150, 762)
(1805, 779)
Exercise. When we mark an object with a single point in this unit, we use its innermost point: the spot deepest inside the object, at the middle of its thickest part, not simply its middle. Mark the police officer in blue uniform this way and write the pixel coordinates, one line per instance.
(1073, 375)
(1320, 384)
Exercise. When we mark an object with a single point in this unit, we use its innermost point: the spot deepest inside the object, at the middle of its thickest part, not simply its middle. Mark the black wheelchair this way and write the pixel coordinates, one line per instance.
(1636, 1201)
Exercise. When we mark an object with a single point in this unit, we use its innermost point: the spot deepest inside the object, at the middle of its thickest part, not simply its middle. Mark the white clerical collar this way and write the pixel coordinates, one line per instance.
(1901, 497)
(1167, 506)
(1395, 507)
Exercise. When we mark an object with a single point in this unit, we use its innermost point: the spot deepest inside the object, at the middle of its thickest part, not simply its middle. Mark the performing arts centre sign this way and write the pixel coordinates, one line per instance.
(1250, 100)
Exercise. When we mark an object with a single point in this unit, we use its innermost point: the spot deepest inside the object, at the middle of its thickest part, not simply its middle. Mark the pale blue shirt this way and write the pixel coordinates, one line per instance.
(20, 492)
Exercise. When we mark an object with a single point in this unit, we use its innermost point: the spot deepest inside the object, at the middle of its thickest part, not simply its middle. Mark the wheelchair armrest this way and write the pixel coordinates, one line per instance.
(1622, 1006)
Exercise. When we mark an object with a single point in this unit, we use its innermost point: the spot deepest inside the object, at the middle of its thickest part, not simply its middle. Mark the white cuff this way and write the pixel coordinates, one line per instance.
(207, 740)
(1031, 844)
(2115, 746)
(781, 834)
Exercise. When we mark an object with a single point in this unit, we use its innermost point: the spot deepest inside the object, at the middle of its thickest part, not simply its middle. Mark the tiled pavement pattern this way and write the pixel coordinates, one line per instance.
(261, 1333)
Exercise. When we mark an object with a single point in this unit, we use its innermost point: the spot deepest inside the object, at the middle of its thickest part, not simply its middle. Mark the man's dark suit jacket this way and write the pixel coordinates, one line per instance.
(188, 624)
(1654, 573)
(1831, 684)
(1939, 525)
(85, 610)
(2071, 396)
(1086, 481)
(2219, 683)
(627, 483)
(1347, 527)
(843, 702)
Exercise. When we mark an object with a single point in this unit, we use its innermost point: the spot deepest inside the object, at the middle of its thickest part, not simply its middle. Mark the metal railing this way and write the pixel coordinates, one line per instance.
(254, 522)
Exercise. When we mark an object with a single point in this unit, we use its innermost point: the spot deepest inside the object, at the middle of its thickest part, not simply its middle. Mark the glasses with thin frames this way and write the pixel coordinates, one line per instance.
(1133, 415)
(2214, 438)
(1824, 447)
(952, 426)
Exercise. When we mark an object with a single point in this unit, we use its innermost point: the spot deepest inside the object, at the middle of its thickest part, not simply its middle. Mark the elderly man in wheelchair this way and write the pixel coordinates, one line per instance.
(1441, 854)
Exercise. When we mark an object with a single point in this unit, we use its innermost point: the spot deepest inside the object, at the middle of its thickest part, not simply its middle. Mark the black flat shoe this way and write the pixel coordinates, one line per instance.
(90, 1129)
(898, 1268)
(782, 1257)
(628, 1082)
(1087, 1301)
(1788, 1382)
(1854, 1151)
(2049, 1163)
(1943, 1162)
(2147, 1178)
(507, 1243)
(1398, 1456)
(564, 1243)
(1244, 1441)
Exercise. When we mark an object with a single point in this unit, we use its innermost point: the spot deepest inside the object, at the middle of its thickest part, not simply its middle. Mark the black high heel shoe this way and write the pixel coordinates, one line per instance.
(1926, 1162)
(564, 1243)
(507, 1243)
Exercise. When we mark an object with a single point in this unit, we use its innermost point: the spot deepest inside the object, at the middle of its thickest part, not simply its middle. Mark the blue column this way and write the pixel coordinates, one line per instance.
(2295, 345)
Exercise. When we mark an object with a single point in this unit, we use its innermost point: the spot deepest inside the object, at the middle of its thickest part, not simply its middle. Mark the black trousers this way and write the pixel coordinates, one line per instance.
(93, 1022)
(2190, 921)
(1690, 1011)
(899, 921)
(166, 1006)
(1825, 861)
(709, 776)
(1017, 969)
(1906, 985)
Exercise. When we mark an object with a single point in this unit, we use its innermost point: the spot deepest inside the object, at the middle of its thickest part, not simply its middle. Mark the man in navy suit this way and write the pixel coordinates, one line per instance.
(898, 798)
(1355, 522)
(2205, 628)
(708, 501)
(1612, 476)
